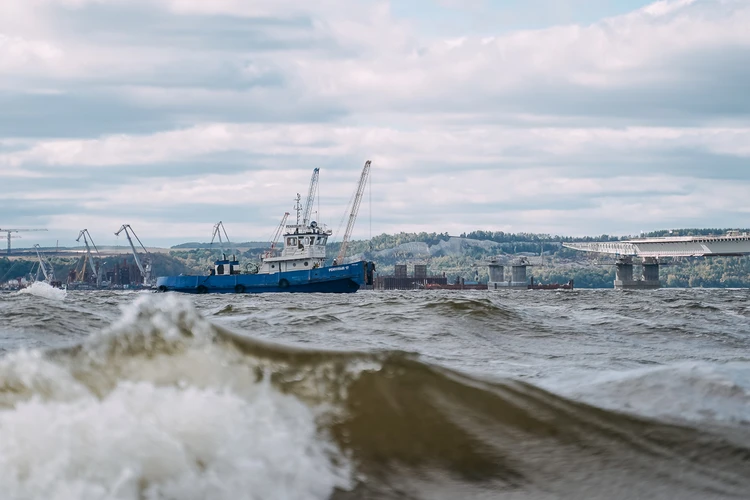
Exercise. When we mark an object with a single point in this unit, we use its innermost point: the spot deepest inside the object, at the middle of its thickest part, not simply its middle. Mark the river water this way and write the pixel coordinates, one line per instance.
(424, 394)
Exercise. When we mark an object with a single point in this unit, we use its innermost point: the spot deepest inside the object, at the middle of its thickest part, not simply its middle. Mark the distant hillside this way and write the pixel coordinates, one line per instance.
(244, 244)
(466, 256)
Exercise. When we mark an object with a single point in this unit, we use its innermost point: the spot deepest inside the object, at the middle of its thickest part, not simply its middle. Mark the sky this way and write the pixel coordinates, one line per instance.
(571, 117)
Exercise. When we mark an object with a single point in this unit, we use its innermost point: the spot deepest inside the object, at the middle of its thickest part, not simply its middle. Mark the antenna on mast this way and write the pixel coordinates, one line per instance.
(298, 207)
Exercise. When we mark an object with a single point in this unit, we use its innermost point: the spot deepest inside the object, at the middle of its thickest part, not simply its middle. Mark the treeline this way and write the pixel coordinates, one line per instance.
(503, 237)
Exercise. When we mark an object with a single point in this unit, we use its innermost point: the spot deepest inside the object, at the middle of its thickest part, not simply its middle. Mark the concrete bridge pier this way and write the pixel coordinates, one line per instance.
(650, 272)
(624, 274)
(497, 272)
(517, 279)
(623, 271)
(518, 274)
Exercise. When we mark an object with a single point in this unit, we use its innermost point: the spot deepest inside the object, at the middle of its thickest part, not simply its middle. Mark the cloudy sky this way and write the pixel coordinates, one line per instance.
(560, 116)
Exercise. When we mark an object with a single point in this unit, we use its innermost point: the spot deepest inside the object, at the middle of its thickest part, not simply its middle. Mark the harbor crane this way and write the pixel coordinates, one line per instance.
(276, 236)
(310, 197)
(218, 228)
(45, 266)
(9, 231)
(94, 269)
(353, 214)
(144, 267)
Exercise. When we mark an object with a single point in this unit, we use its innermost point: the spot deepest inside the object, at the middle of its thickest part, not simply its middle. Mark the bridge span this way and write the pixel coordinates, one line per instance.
(651, 250)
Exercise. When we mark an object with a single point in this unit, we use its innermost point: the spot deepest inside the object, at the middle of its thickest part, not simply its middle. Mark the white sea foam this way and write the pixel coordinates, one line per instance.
(42, 289)
(25, 374)
(185, 423)
(144, 441)
(693, 391)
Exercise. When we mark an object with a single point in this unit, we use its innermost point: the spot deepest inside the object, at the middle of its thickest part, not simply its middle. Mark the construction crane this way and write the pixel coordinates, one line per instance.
(145, 270)
(45, 266)
(276, 235)
(86, 237)
(218, 228)
(16, 231)
(353, 214)
(310, 197)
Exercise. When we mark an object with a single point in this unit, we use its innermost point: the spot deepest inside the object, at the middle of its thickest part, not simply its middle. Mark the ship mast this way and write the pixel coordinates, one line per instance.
(298, 207)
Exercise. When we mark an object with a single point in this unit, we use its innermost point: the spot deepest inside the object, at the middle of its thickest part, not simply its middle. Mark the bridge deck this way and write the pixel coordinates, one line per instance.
(675, 246)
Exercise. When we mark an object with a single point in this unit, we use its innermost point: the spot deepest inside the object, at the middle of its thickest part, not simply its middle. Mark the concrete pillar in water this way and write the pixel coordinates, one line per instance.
(623, 271)
(650, 273)
(624, 274)
(518, 274)
(497, 272)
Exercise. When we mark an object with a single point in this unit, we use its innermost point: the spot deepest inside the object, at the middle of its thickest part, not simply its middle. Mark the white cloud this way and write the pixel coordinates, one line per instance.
(488, 145)
(17, 52)
(575, 125)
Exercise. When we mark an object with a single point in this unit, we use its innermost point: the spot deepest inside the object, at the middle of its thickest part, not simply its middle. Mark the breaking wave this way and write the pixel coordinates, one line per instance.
(165, 405)
(44, 290)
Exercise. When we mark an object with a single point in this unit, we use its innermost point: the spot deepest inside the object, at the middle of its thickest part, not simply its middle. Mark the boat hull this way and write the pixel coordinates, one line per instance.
(347, 278)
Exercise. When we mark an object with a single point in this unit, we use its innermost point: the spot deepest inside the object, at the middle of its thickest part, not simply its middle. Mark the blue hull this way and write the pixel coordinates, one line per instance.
(347, 278)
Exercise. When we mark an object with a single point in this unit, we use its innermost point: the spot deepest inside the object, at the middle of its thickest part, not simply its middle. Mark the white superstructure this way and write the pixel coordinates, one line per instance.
(304, 248)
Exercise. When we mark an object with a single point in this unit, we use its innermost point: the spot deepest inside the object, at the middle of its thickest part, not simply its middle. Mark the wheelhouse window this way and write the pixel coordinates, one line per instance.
(291, 241)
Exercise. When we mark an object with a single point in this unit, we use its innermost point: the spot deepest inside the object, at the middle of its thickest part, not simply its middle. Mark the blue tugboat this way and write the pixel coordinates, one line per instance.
(299, 268)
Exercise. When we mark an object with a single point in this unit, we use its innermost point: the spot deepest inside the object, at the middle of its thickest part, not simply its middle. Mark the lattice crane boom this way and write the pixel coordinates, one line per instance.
(354, 211)
(145, 271)
(86, 237)
(307, 213)
(45, 265)
(277, 234)
(218, 229)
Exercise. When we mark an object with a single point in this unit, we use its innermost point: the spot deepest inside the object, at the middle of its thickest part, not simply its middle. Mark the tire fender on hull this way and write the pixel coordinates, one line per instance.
(283, 283)
(240, 288)
(201, 289)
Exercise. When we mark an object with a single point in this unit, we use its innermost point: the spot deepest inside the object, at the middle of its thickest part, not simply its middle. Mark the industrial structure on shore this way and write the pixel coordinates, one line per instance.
(517, 279)
(89, 272)
(651, 250)
(420, 280)
(400, 280)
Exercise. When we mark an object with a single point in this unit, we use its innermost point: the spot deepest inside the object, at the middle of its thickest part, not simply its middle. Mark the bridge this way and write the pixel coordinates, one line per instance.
(651, 250)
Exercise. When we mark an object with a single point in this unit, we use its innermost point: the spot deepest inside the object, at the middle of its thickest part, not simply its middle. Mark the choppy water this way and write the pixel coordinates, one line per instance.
(517, 395)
